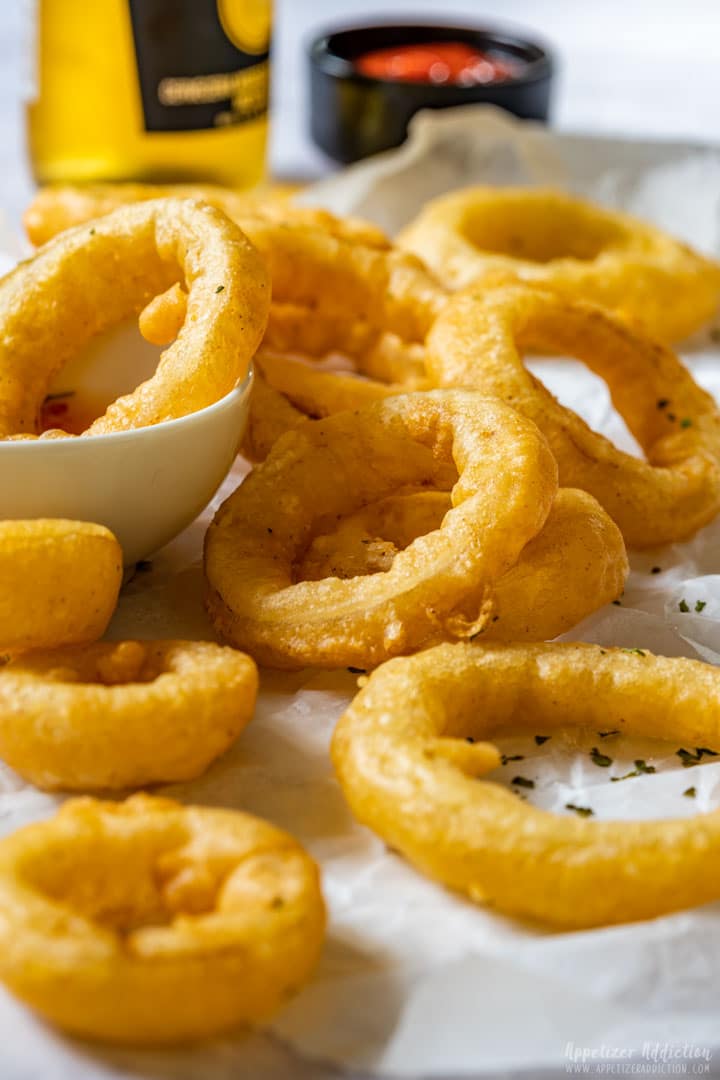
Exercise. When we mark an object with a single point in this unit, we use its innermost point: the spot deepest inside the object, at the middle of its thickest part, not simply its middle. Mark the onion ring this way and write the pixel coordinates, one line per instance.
(477, 342)
(434, 589)
(59, 583)
(122, 715)
(59, 207)
(325, 264)
(555, 241)
(407, 763)
(149, 244)
(150, 922)
(575, 564)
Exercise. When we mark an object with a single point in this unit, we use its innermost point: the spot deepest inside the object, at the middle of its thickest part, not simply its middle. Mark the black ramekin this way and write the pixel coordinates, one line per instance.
(353, 115)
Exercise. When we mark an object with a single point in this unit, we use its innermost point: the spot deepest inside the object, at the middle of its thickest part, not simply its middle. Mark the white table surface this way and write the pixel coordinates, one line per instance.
(637, 67)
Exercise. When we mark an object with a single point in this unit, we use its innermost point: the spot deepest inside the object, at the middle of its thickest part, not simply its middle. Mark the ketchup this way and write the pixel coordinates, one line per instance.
(453, 62)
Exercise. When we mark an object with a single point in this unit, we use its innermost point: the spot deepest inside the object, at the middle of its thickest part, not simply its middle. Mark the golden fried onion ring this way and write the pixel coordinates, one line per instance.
(575, 564)
(59, 207)
(328, 265)
(506, 481)
(478, 342)
(555, 241)
(122, 715)
(147, 246)
(151, 922)
(59, 583)
(405, 757)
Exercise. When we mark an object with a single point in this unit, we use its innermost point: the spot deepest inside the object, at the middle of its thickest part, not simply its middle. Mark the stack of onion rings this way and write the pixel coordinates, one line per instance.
(435, 588)
(151, 922)
(478, 341)
(555, 241)
(409, 750)
(576, 564)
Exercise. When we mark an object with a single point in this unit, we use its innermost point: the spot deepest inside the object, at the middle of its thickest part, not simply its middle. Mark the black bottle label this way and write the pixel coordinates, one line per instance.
(201, 63)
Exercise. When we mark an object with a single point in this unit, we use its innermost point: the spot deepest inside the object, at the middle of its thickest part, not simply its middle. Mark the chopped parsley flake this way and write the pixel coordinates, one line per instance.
(219, 288)
(617, 603)
(683, 606)
(511, 757)
(581, 811)
(602, 760)
(656, 570)
(640, 768)
(540, 739)
(690, 792)
(522, 781)
(689, 758)
(686, 422)
(663, 403)
(357, 671)
(700, 604)
(607, 734)
(638, 652)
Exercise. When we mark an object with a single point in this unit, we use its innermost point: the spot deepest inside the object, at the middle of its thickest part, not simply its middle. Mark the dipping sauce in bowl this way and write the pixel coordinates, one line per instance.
(438, 62)
(367, 82)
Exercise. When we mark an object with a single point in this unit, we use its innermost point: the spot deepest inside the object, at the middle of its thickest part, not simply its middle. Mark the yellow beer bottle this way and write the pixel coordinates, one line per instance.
(151, 90)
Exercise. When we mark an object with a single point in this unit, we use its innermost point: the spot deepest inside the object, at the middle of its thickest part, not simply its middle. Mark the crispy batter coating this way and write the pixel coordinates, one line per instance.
(504, 481)
(575, 565)
(409, 751)
(151, 922)
(479, 340)
(59, 583)
(98, 275)
(117, 715)
(582, 251)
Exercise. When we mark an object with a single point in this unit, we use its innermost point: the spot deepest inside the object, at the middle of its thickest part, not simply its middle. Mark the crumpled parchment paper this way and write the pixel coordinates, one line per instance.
(416, 981)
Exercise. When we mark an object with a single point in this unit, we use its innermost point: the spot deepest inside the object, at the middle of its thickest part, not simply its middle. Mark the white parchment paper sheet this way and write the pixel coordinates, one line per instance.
(416, 981)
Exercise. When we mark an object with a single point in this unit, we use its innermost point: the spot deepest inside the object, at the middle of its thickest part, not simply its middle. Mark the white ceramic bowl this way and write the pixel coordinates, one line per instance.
(145, 485)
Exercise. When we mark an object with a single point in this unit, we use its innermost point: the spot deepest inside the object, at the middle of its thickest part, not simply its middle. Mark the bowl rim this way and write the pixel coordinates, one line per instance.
(30, 446)
(321, 56)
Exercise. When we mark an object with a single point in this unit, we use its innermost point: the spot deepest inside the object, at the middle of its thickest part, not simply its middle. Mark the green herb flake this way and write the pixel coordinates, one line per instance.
(690, 792)
(511, 757)
(540, 739)
(689, 758)
(469, 739)
(522, 781)
(656, 570)
(663, 403)
(700, 604)
(617, 603)
(357, 671)
(581, 811)
(607, 734)
(601, 760)
(220, 288)
(683, 606)
(636, 651)
(686, 422)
